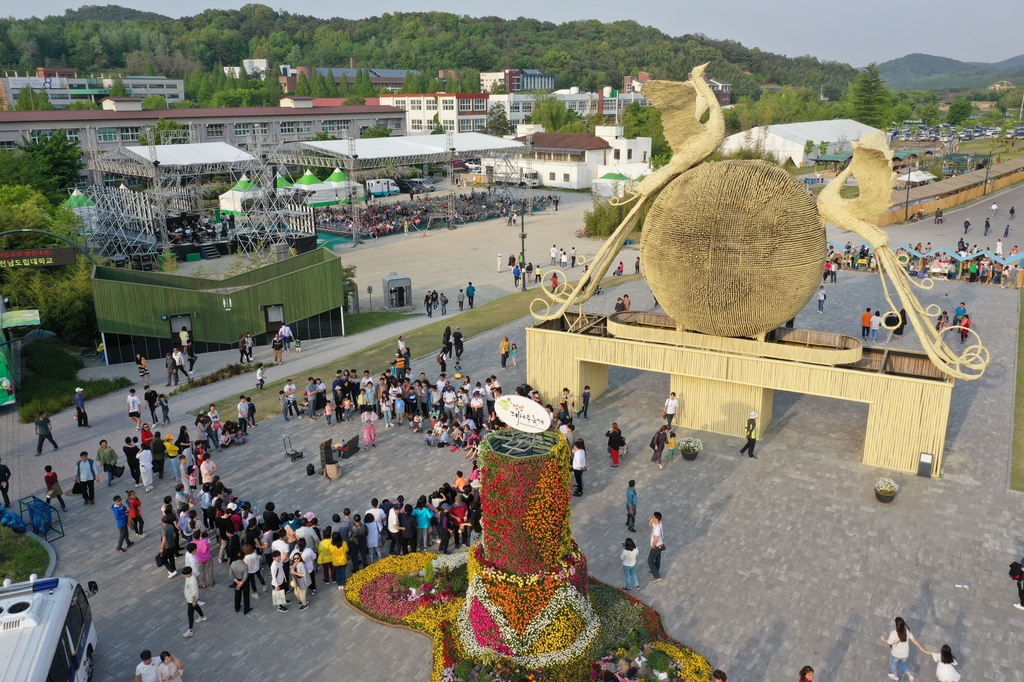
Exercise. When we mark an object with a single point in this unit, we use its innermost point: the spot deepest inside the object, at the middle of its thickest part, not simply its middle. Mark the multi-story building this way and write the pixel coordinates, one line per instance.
(459, 113)
(124, 123)
(254, 68)
(576, 160)
(392, 79)
(517, 80)
(63, 87)
(518, 106)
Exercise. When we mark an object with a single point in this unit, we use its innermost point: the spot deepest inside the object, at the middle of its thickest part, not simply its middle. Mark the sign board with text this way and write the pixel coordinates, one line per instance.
(523, 414)
(34, 258)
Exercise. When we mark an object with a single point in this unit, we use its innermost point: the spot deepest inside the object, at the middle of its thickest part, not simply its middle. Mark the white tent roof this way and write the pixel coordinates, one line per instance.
(916, 176)
(466, 144)
(818, 131)
(192, 154)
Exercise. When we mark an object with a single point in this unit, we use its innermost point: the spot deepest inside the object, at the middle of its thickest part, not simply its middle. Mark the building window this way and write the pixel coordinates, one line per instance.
(449, 125)
(629, 154)
(215, 130)
(303, 126)
(645, 157)
(8, 145)
(515, 107)
(479, 105)
(527, 107)
(395, 123)
(259, 128)
(565, 177)
(465, 125)
(156, 86)
(287, 127)
(72, 134)
(130, 134)
(465, 105)
(416, 124)
(400, 104)
(479, 123)
(35, 135)
(615, 154)
(106, 135)
(431, 104)
(241, 130)
(551, 177)
(416, 104)
(172, 86)
(448, 104)
(335, 126)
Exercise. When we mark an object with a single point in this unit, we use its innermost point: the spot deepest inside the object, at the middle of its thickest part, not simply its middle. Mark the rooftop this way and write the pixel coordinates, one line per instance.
(63, 115)
(573, 141)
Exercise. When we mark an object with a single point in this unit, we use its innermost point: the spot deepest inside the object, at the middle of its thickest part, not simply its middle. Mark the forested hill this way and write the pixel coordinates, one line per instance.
(588, 54)
(926, 72)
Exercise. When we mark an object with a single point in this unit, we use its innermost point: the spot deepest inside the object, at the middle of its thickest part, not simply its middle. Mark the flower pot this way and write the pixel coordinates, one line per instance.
(886, 499)
(690, 456)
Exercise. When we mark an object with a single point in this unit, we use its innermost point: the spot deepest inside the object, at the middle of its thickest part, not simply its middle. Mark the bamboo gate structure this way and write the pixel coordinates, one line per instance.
(720, 380)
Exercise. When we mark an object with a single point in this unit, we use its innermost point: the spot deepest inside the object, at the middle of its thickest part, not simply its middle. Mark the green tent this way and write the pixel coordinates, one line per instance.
(307, 179)
(336, 177)
(280, 182)
(614, 176)
(243, 185)
(79, 200)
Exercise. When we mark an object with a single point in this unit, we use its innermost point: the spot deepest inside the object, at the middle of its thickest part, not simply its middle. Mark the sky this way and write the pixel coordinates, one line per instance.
(854, 32)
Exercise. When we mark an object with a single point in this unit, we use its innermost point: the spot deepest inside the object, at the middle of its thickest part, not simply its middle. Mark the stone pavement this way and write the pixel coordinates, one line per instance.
(771, 564)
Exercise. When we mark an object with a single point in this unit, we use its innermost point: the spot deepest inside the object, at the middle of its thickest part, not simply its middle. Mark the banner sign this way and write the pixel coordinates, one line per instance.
(47, 83)
(29, 258)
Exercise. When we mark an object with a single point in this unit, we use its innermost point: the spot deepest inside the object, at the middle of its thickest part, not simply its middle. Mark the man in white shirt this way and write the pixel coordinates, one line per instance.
(671, 406)
(135, 409)
(657, 547)
(554, 254)
(285, 332)
(579, 465)
(243, 414)
(146, 670)
(278, 577)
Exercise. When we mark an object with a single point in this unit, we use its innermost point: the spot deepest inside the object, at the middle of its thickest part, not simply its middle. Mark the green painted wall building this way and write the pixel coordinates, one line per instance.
(142, 312)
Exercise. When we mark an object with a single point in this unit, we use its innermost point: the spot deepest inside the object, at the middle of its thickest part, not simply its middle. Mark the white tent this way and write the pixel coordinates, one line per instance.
(234, 199)
(789, 140)
(916, 176)
(337, 189)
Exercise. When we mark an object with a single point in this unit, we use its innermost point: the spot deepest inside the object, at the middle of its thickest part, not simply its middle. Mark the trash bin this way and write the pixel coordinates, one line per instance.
(40, 516)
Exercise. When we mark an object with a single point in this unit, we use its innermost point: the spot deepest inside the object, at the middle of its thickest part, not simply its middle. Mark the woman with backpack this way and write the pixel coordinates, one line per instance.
(899, 648)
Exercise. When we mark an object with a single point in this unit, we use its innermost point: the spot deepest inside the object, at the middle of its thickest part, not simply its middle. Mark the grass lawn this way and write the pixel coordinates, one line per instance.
(370, 320)
(20, 556)
(51, 378)
(377, 357)
(1017, 465)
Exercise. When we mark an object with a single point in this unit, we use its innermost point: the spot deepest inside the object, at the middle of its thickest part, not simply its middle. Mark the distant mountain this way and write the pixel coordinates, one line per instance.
(111, 13)
(927, 72)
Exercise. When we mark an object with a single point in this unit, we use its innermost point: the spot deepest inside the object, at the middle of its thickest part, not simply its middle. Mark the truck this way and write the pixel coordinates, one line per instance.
(382, 188)
(523, 178)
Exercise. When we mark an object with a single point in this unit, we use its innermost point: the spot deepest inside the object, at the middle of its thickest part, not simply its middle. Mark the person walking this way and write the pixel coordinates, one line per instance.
(632, 498)
(169, 545)
(806, 674)
(277, 345)
(80, 413)
(239, 574)
(170, 668)
(821, 299)
(121, 517)
(53, 487)
(277, 578)
(615, 442)
(579, 465)
(107, 457)
(339, 557)
(945, 670)
(657, 547)
(585, 401)
(42, 426)
(503, 349)
(134, 505)
(470, 294)
(5, 483)
(751, 433)
(628, 558)
(171, 367)
(461, 298)
(134, 409)
(671, 407)
(300, 580)
(285, 333)
(192, 600)
(899, 648)
(85, 474)
(146, 671)
(658, 445)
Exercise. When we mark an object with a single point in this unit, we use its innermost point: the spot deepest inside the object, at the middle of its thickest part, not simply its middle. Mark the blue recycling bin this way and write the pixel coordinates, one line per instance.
(40, 516)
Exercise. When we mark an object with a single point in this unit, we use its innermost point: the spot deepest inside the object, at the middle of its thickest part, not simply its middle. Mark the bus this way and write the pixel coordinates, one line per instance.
(46, 631)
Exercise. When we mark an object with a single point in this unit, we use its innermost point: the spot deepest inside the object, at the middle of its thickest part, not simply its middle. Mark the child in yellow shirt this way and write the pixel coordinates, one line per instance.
(671, 446)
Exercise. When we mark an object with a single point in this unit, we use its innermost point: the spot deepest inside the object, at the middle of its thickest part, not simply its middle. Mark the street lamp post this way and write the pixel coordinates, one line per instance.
(522, 242)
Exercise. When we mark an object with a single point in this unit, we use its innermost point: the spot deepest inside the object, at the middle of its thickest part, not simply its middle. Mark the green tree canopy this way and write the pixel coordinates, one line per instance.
(33, 100)
(154, 102)
(302, 86)
(870, 98)
(959, 111)
(117, 88)
(377, 131)
(60, 157)
(497, 121)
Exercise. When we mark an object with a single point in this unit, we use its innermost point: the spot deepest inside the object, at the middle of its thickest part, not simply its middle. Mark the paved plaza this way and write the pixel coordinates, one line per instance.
(771, 564)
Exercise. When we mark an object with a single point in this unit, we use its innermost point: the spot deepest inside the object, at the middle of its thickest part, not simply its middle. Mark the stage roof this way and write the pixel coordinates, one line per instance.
(413, 150)
(192, 154)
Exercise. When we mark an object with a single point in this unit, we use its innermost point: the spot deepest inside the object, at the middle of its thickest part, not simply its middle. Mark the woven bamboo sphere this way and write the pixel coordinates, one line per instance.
(733, 248)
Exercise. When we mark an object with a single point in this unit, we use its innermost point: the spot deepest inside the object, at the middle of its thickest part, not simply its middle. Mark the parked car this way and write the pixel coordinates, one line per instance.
(427, 183)
(409, 187)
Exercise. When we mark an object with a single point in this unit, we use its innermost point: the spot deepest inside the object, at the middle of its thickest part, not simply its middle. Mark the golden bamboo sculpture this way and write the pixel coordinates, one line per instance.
(872, 167)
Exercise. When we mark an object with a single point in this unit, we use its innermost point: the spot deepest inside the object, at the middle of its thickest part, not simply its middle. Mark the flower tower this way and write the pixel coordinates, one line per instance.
(528, 582)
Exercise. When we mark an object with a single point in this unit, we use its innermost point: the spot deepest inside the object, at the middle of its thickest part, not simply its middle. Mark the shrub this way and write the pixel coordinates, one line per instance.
(886, 486)
(22, 556)
(51, 378)
(659, 661)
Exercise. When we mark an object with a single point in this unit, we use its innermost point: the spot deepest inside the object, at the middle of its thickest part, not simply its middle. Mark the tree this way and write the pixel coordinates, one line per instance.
(168, 132)
(302, 87)
(376, 131)
(870, 98)
(154, 102)
(117, 88)
(808, 147)
(82, 105)
(438, 128)
(823, 147)
(61, 157)
(959, 111)
(497, 121)
(638, 121)
(930, 113)
(32, 100)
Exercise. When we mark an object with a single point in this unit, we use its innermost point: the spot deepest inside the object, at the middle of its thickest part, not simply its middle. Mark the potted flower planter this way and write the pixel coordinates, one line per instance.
(886, 490)
(689, 448)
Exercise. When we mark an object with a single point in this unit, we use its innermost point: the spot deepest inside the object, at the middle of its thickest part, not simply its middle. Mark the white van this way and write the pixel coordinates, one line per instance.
(382, 188)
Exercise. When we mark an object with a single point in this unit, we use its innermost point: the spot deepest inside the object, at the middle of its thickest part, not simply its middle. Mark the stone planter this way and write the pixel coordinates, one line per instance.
(690, 456)
(883, 498)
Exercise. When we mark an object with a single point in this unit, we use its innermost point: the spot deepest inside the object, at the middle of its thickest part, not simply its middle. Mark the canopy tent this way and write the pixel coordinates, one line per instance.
(281, 182)
(77, 200)
(384, 152)
(916, 176)
(336, 177)
(200, 154)
(233, 201)
(336, 189)
(618, 177)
